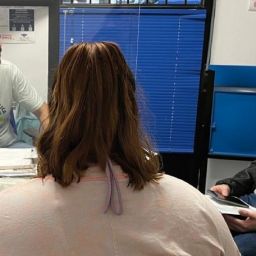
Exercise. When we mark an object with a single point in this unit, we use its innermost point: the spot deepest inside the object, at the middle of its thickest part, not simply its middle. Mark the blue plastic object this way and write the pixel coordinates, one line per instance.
(234, 75)
(234, 111)
(234, 124)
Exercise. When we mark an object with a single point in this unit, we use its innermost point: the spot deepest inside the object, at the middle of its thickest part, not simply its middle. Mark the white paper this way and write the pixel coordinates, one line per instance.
(17, 158)
(16, 152)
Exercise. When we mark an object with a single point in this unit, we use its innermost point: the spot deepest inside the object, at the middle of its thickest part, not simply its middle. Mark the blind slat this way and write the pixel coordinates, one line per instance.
(164, 49)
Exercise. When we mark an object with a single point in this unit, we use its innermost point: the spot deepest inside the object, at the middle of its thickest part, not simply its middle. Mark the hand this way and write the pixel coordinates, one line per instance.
(223, 190)
(247, 225)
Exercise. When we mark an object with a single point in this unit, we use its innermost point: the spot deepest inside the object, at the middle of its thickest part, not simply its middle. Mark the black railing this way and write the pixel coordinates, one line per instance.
(172, 3)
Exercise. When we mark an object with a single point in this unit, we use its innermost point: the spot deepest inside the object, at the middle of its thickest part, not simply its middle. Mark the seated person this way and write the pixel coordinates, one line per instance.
(102, 192)
(14, 87)
(242, 184)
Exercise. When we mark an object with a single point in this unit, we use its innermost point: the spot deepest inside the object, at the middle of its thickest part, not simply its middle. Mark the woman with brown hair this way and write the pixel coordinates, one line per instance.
(102, 192)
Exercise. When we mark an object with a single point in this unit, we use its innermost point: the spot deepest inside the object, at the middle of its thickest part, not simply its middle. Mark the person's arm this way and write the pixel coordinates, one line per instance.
(247, 225)
(43, 114)
(27, 96)
(243, 182)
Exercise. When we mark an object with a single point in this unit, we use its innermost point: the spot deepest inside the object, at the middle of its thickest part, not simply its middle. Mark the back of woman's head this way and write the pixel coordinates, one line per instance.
(93, 117)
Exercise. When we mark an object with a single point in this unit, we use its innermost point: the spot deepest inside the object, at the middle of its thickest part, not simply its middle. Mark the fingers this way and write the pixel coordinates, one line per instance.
(229, 218)
(247, 225)
(248, 213)
(235, 224)
(223, 190)
(215, 189)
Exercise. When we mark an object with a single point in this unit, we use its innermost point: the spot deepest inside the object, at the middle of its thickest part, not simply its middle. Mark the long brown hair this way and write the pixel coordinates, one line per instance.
(94, 117)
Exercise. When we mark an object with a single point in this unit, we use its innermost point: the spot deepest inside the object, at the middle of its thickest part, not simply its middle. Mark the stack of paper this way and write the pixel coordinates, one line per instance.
(17, 162)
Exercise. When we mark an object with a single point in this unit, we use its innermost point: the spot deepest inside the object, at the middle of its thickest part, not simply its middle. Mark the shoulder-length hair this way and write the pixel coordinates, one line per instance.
(94, 117)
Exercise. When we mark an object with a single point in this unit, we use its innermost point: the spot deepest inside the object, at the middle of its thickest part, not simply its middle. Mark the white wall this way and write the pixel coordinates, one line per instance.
(220, 169)
(233, 43)
(32, 59)
(234, 37)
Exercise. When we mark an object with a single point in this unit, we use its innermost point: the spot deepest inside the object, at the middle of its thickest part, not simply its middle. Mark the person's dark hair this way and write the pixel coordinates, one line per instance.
(94, 117)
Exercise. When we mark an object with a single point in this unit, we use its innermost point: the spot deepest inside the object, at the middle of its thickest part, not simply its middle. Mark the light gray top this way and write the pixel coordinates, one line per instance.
(169, 218)
(14, 88)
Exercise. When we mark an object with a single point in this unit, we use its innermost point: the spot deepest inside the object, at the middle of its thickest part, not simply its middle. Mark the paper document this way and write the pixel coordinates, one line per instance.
(28, 172)
(17, 158)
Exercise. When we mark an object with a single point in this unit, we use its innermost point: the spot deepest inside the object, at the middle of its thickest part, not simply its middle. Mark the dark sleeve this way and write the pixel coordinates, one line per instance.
(243, 182)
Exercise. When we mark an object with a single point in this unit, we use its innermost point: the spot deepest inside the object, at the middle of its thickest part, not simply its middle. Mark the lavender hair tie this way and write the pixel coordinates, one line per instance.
(113, 187)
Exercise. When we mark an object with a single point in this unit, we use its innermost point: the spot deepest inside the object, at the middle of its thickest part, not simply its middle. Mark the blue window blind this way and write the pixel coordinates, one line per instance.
(164, 49)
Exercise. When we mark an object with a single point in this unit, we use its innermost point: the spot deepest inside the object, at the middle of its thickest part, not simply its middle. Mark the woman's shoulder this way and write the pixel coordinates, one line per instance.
(184, 204)
(173, 184)
(182, 198)
(24, 189)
